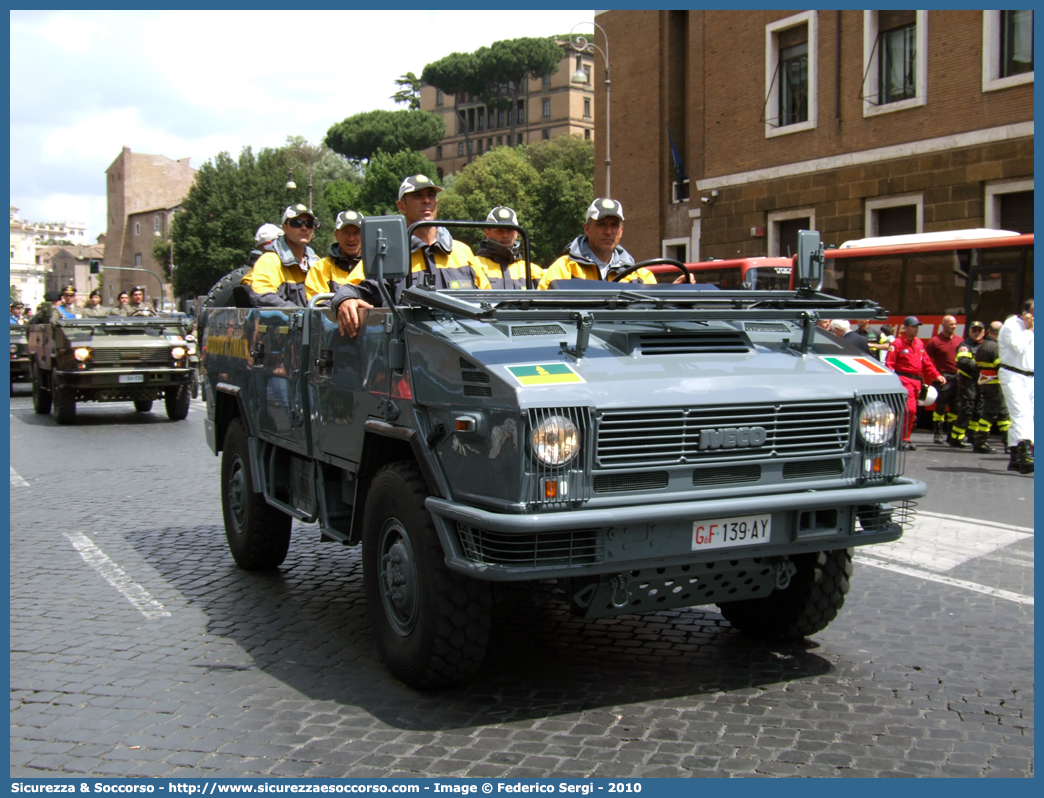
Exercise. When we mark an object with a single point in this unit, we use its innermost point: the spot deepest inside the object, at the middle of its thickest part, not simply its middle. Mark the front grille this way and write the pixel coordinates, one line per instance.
(726, 475)
(582, 547)
(620, 483)
(476, 383)
(810, 469)
(478, 390)
(671, 436)
(537, 329)
(703, 343)
(152, 356)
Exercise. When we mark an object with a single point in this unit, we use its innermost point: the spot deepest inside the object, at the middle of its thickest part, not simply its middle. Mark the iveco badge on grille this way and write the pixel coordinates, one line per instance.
(733, 438)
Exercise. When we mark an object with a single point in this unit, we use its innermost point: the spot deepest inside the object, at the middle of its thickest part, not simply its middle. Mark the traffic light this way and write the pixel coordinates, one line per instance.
(95, 266)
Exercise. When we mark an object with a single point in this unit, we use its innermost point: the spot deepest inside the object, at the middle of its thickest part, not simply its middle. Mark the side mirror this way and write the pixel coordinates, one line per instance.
(384, 243)
(809, 260)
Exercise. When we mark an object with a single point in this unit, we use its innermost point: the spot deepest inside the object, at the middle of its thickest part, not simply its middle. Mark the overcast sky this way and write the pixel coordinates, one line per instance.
(194, 83)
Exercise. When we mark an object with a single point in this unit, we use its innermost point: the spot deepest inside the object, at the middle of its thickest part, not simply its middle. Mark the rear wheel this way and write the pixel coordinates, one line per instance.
(65, 404)
(811, 601)
(143, 405)
(177, 402)
(431, 625)
(41, 396)
(258, 534)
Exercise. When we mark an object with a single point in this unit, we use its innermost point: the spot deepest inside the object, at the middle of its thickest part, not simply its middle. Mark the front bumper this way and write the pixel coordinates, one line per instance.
(19, 369)
(610, 540)
(104, 385)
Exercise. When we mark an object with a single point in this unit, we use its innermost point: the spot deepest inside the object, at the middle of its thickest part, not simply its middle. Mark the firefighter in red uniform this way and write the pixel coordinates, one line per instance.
(911, 363)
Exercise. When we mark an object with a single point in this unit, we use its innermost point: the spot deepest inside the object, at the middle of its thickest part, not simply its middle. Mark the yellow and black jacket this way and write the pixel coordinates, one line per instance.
(579, 262)
(277, 279)
(330, 273)
(987, 361)
(503, 267)
(444, 264)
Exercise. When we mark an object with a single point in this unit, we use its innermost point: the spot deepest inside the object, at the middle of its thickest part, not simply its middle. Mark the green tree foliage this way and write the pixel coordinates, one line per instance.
(358, 137)
(384, 175)
(343, 195)
(230, 199)
(548, 184)
(409, 91)
(456, 74)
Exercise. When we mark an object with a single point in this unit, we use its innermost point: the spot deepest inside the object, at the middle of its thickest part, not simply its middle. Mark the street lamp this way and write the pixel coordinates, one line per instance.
(582, 45)
(306, 158)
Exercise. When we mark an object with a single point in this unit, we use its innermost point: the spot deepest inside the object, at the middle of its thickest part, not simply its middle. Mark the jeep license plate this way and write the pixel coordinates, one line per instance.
(132, 378)
(724, 533)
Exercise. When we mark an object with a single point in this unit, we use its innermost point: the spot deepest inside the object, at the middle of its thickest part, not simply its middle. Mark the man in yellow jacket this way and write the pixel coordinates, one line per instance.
(345, 255)
(277, 279)
(436, 259)
(499, 255)
(597, 254)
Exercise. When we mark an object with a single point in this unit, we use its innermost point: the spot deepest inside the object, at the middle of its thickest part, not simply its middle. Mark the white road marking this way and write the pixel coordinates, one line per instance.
(17, 481)
(944, 580)
(940, 543)
(115, 576)
(1021, 563)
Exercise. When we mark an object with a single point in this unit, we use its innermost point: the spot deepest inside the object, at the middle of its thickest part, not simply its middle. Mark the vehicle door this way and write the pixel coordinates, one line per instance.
(275, 349)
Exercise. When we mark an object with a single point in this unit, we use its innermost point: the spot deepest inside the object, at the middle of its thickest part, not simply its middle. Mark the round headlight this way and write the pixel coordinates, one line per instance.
(82, 353)
(14, 348)
(556, 441)
(178, 352)
(876, 423)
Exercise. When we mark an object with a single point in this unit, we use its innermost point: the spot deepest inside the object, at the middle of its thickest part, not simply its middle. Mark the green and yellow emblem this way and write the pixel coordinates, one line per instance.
(544, 374)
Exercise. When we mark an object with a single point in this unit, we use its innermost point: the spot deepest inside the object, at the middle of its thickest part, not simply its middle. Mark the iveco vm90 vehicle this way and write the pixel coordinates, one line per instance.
(640, 447)
(135, 359)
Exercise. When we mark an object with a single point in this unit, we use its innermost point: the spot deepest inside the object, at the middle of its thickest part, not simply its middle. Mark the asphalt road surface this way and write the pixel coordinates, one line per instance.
(138, 648)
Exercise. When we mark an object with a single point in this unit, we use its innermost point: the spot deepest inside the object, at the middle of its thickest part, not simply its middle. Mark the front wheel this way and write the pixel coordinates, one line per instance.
(431, 625)
(65, 404)
(808, 605)
(258, 534)
(143, 405)
(41, 396)
(177, 402)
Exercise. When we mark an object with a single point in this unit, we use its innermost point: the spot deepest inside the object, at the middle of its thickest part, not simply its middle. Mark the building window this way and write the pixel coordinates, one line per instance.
(137, 228)
(440, 173)
(440, 98)
(546, 133)
(587, 135)
(478, 147)
(1009, 205)
(156, 223)
(438, 152)
(1007, 49)
(895, 60)
(481, 119)
(500, 140)
(519, 141)
(511, 117)
(500, 118)
(489, 144)
(547, 79)
(546, 107)
(791, 74)
(894, 216)
(783, 228)
(137, 260)
(491, 117)
(680, 191)
(460, 148)
(676, 248)
(587, 108)
(587, 75)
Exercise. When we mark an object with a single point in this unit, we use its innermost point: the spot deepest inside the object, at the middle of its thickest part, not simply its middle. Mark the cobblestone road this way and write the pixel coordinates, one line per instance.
(137, 648)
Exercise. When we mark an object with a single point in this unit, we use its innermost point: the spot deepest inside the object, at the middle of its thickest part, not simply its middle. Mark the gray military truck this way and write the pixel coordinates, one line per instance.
(19, 355)
(638, 448)
(135, 359)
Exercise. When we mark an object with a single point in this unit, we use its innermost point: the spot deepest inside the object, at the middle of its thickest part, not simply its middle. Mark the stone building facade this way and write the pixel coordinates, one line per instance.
(548, 107)
(143, 192)
(70, 265)
(854, 123)
(26, 273)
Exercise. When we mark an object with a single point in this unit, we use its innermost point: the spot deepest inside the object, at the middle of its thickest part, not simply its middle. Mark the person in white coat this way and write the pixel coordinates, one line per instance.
(1016, 379)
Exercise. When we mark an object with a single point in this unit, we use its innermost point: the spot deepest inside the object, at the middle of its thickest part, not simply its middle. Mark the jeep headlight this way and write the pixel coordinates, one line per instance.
(14, 348)
(876, 423)
(82, 353)
(556, 441)
(178, 352)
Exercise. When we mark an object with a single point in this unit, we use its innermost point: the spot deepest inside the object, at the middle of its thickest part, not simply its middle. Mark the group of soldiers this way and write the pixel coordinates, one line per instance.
(286, 272)
(61, 304)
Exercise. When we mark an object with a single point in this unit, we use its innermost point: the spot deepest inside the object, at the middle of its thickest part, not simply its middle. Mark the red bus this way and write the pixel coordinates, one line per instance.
(974, 275)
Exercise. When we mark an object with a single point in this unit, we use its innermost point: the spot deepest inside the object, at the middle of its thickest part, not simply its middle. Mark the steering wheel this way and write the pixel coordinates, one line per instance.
(652, 262)
(143, 313)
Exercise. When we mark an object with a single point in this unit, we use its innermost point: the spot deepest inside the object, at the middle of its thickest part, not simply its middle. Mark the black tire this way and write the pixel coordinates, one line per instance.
(41, 396)
(220, 295)
(64, 404)
(811, 601)
(143, 405)
(258, 534)
(431, 625)
(177, 402)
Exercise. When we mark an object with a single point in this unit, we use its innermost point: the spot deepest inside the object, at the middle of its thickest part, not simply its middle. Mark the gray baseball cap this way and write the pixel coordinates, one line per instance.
(416, 183)
(603, 207)
(345, 218)
(502, 213)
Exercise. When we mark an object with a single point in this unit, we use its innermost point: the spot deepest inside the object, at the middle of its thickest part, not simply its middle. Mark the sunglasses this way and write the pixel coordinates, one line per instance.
(298, 223)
